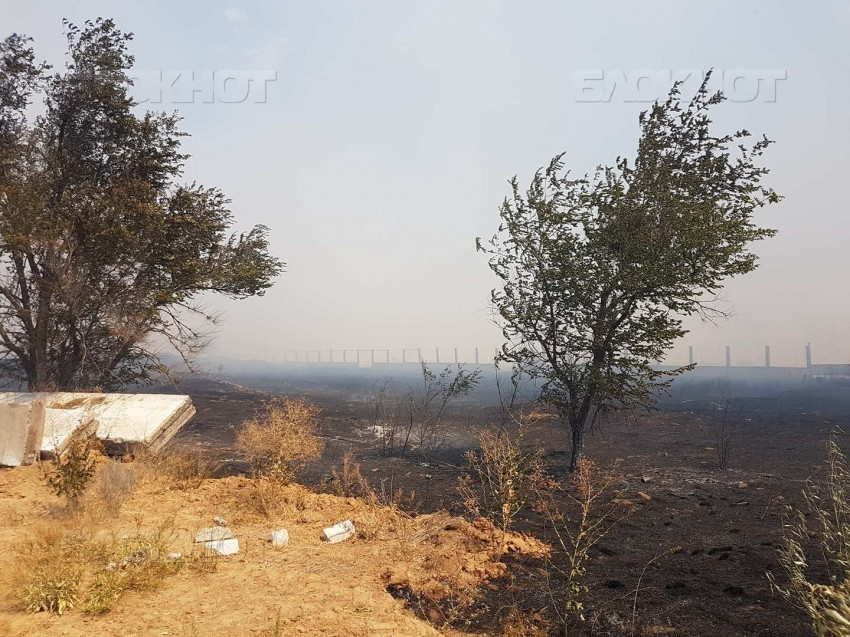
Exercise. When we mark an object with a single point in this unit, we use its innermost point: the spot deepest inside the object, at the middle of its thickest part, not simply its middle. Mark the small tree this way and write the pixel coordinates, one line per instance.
(597, 273)
(102, 249)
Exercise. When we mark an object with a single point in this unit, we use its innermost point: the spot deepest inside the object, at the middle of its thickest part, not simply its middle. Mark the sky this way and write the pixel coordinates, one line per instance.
(376, 140)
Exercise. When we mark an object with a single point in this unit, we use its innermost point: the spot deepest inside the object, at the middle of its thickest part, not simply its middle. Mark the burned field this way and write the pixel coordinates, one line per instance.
(689, 555)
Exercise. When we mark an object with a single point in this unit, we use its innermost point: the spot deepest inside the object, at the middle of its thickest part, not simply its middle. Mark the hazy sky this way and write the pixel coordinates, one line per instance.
(384, 146)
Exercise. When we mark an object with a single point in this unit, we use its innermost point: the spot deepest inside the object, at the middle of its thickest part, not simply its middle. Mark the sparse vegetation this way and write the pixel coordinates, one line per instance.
(826, 518)
(414, 420)
(725, 422)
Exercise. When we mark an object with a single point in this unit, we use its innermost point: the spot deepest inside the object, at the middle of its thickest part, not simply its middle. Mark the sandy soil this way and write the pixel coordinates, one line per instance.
(314, 588)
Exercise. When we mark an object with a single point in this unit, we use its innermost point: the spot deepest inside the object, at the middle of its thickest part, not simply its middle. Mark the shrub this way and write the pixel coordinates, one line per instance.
(826, 515)
(69, 474)
(283, 440)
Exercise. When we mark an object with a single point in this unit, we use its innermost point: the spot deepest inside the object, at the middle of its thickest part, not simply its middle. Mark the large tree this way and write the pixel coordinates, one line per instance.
(103, 251)
(598, 272)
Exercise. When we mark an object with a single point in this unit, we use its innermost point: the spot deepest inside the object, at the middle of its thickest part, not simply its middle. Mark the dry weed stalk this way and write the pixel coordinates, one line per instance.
(826, 517)
(283, 440)
(591, 516)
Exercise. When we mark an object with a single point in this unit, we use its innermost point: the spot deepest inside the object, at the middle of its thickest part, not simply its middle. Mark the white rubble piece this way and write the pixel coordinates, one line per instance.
(280, 537)
(339, 532)
(213, 534)
(21, 430)
(120, 420)
(224, 547)
(219, 521)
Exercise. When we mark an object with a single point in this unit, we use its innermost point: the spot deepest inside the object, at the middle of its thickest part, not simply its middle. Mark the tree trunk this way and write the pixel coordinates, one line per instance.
(577, 445)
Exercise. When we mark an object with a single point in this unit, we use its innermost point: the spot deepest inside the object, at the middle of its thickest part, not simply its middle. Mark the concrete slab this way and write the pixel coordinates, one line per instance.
(121, 420)
(21, 430)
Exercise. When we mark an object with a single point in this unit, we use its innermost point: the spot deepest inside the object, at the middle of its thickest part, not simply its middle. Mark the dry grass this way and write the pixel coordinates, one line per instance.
(283, 440)
(826, 516)
(184, 470)
(67, 565)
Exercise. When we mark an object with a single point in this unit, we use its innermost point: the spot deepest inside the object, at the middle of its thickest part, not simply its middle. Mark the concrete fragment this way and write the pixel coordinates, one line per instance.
(219, 521)
(229, 546)
(176, 555)
(280, 537)
(21, 431)
(339, 532)
(213, 534)
(644, 495)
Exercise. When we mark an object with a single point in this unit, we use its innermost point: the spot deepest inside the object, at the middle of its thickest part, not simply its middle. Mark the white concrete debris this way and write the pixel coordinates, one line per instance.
(218, 521)
(224, 547)
(339, 532)
(213, 534)
(280, 537)
(21, 430)
(120, 420)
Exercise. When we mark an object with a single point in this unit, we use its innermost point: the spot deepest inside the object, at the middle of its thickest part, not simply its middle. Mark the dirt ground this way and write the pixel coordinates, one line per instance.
(309, 587)
(690, 559)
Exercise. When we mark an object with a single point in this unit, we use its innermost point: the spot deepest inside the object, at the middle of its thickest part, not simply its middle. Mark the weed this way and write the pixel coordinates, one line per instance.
(505, 474)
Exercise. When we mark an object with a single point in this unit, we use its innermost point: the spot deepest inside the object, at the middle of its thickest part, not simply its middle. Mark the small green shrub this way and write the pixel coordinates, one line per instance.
(70, 473)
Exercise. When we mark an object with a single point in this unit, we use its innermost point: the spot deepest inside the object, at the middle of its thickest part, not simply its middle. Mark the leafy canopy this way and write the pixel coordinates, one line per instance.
(102, 248)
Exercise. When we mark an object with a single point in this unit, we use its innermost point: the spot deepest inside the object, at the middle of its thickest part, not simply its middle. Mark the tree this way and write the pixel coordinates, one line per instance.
(598, 272)
(102, 251)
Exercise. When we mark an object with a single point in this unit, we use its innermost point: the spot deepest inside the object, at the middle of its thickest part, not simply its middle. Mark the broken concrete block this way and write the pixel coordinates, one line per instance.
(219, 521)
(339, 532)
(280, 537)
(213, 534)
(122, 420)
(229, 546)
(21, 432)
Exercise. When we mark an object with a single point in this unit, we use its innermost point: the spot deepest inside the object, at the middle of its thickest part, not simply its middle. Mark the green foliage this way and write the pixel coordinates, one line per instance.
(70, 473)
(101, 245)
(598, 272)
